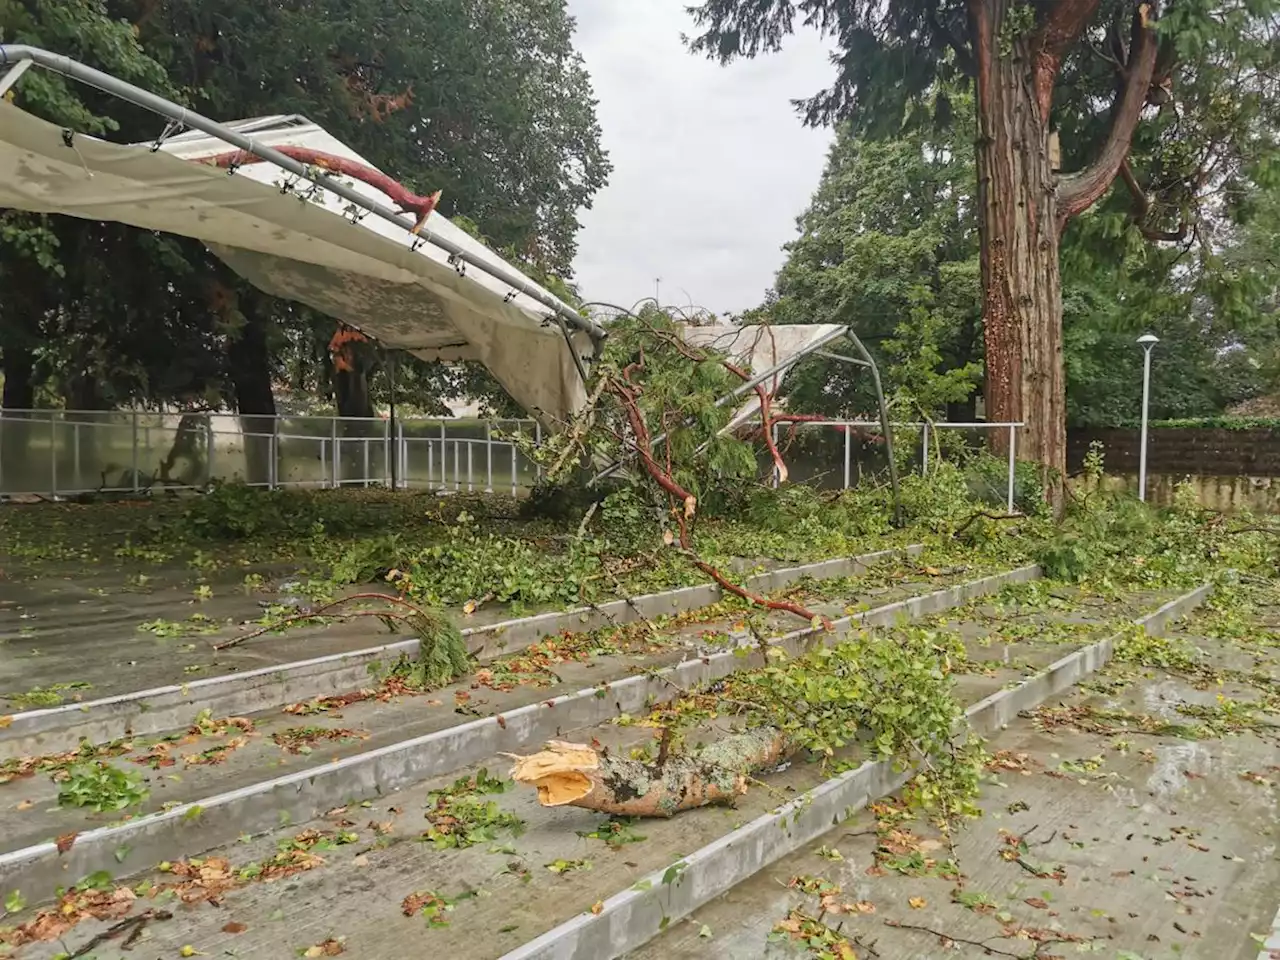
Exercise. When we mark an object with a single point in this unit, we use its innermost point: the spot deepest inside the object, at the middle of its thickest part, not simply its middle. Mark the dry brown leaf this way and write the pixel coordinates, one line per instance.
(234, 927)
(5, 721)
(597, 907)
(330, 948)
(917, 903)
(864, 906)
(67, 840)
(26, 805)
(1036, 902)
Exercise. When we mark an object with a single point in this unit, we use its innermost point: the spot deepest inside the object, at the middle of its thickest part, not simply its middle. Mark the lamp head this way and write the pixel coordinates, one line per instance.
(1148, 339)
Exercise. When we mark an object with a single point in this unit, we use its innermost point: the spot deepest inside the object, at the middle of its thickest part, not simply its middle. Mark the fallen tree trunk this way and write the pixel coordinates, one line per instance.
(574, 774)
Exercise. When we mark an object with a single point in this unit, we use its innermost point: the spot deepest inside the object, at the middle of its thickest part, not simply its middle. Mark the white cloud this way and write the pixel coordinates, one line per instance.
(711, 164)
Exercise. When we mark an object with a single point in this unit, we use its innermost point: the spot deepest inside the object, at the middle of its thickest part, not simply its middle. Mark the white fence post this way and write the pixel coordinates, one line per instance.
(53, 455)
(924, 457)
(1013, 465)
(444, 457)
(848, 455)
(515, 471)
(488, 457)
(273, 454)
(335, 471)
(209, 444)
(133, 457)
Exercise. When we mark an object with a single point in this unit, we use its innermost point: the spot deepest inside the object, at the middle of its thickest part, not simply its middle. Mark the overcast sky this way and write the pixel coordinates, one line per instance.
(711, 163)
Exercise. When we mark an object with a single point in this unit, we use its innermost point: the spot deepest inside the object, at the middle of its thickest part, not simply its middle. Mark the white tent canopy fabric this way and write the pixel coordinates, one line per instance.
(760, 348)
(370, 273)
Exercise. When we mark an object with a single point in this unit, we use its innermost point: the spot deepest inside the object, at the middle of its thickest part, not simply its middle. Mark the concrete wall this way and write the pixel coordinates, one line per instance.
(1256, 494)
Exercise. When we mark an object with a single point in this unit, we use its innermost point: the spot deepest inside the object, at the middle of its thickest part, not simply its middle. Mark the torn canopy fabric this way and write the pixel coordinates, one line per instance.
(310, 246)
(759, 348)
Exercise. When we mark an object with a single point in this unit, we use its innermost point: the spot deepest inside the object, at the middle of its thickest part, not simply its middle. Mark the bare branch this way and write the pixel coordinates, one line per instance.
(1143, 209)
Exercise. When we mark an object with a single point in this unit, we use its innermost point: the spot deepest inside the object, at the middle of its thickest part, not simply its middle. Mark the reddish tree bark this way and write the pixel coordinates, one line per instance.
(1023, 207)
(405, 199)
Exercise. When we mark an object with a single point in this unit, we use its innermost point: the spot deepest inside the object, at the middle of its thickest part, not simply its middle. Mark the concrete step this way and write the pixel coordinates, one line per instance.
(413, 739)
(1166, 845)
(275, 670)
(517, 899)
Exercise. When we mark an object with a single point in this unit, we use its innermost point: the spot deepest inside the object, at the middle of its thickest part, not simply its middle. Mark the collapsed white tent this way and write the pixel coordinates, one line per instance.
(372, 274)
(303, 234)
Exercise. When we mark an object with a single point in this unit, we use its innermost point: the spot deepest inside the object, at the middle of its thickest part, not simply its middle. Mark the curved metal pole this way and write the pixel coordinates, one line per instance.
(17, 54)
(884, 422)
(734, 394)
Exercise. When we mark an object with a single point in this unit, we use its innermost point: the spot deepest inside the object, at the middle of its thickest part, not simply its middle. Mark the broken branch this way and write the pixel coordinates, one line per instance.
(573, 774)
(133, 926)
(323, 611)
(401, 196)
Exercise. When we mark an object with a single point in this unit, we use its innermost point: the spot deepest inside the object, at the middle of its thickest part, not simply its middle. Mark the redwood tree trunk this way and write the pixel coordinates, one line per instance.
(1017, 215)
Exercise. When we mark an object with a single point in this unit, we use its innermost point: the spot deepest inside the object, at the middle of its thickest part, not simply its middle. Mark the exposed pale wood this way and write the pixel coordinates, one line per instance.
(574, 774)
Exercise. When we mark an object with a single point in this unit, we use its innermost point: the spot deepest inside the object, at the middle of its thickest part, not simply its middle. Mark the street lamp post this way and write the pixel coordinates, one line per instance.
(1147, 341)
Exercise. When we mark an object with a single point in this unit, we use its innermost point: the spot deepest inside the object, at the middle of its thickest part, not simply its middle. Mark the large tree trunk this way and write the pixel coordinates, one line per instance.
(1017, 217)
(250, 362)
(351, 393)
(1023, 207)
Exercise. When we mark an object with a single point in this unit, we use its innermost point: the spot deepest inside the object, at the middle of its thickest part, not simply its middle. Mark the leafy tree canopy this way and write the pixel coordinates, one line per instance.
(889, 245)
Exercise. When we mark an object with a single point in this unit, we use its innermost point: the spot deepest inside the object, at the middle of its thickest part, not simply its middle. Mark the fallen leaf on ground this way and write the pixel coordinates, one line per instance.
(917, 903)
(330, 948)
(597, 907)
(234, 927)
(26, 804)
(5, 721)
(67, 840)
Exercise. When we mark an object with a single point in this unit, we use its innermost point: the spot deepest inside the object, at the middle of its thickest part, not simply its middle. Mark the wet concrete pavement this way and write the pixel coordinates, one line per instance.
(1122, 844)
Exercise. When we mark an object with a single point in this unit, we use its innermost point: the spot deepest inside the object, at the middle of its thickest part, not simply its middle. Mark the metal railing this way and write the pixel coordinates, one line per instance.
(69, 452)
(927, 449)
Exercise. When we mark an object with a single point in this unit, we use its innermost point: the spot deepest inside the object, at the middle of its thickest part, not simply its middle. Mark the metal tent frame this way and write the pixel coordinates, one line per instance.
(817, 348)
(19, 58)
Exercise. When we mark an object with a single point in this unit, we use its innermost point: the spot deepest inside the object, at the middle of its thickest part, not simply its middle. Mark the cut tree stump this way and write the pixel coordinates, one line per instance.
(574, 774)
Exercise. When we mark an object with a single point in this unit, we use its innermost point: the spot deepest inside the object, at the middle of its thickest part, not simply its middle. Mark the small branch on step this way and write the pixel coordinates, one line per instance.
(133, 926)
(323, 611)
(951, 938)
(982, 514)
